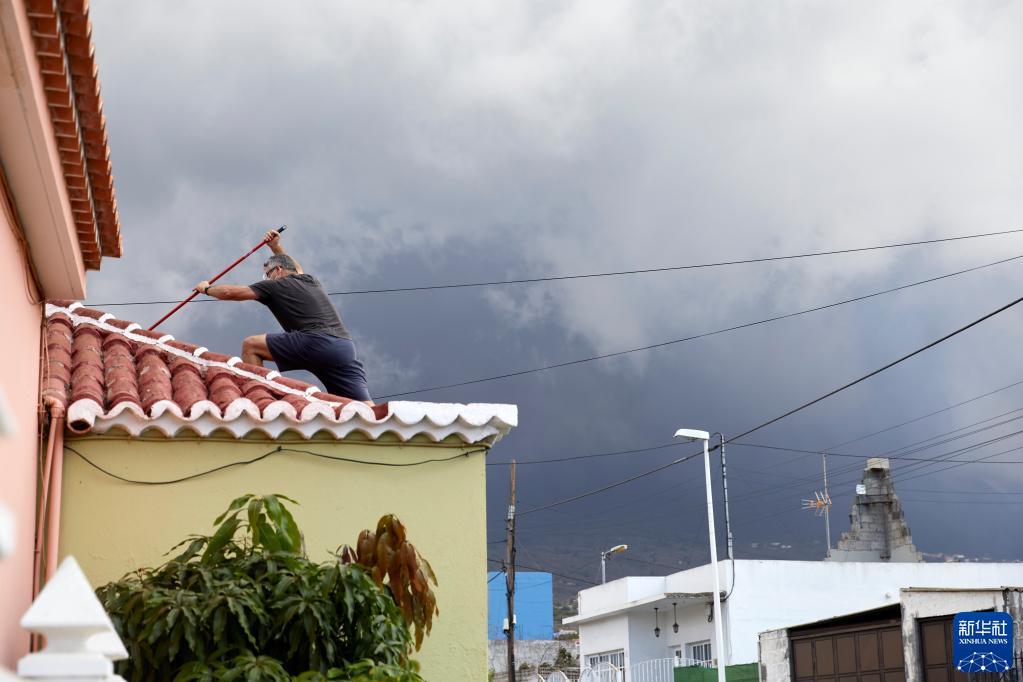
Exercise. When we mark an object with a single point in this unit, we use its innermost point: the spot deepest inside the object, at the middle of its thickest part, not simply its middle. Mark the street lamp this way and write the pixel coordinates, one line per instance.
(604, 556)
(692, 435)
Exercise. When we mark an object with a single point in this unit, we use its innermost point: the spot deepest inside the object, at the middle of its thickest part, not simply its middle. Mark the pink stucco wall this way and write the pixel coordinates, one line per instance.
(19, 381)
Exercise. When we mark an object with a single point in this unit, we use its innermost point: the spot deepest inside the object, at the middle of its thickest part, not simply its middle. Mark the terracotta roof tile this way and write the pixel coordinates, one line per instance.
(62, 34)
(111, 374)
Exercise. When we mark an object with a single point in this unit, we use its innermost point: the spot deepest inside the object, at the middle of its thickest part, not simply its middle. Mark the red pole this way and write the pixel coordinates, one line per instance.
(226, 270)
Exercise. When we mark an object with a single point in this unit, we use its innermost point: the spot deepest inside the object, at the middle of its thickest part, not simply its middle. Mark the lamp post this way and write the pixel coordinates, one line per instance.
(604, 556)
(692, 435)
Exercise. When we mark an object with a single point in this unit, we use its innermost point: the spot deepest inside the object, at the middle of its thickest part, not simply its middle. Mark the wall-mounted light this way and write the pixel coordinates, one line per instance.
(710, 613)
(674, 605)
(657, 625)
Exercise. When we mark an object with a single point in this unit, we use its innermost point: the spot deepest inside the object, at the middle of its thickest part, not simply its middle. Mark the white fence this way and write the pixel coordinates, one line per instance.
(602, 672)
(656, 670)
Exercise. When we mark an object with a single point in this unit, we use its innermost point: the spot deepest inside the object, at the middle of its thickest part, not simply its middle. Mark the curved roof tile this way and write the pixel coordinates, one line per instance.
(110, 375)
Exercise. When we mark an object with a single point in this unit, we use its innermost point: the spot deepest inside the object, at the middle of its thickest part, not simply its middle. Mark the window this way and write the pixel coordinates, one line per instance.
(700, 653)
(615, 658)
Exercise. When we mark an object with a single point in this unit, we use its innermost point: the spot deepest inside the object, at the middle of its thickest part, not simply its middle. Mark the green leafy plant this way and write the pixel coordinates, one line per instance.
(246, 603)
(389, 555)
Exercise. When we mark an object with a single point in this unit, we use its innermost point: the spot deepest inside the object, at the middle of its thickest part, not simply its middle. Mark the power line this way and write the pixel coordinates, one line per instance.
(851, 467)
(572, 458)
(908, 449)
(277, 450)
(872, 374)
(841, 470)
(618, 273)
(612, 485)
(795, 410)
(800, 481)
(938, 460)
(877, 371)
(962, 492)
(982, 460)
(999, 502)
(924, 416)
(904, 449)
(546, 570)
(694, 337)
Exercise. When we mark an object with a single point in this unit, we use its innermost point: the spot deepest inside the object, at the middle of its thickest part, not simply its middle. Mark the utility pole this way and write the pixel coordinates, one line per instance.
(827, 509)
(724, 484)
(510, 576)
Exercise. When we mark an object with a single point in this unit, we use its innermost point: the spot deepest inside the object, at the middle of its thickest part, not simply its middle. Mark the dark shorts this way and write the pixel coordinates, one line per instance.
(331, 359)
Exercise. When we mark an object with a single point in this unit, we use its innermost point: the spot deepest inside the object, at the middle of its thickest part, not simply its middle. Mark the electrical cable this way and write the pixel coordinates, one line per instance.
(940, 459)
(924, 416)
(279, 449)
(576, 457)
(841, 470)
(847, 469)
(533, 280)
(962, 492)
(982, 460)
(544, 570)
(908, 459)
(883, 368)
(836, 474)
(793, 411)
(694, 337)
(609, 487)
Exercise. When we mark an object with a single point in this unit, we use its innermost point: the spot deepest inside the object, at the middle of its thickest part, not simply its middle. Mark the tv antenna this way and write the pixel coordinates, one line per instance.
(820, 503)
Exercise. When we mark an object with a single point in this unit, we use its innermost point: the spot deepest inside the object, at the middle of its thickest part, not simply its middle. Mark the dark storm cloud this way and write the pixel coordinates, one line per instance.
(411, 143)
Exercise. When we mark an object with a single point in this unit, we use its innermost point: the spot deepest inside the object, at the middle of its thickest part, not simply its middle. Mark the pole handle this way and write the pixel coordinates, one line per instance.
(223, 272)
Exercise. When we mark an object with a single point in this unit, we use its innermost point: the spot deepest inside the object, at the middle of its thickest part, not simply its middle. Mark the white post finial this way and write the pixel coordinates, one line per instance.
(79, 635)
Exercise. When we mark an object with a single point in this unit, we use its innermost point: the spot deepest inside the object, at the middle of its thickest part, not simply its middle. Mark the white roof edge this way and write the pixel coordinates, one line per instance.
(473, 423)
(604, 613)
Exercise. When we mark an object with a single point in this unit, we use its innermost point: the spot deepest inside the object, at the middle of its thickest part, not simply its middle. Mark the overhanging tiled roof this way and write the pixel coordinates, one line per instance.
(62, 35)
(111, 375)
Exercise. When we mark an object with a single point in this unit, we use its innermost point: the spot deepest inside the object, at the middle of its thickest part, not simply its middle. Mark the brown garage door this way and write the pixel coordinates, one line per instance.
(936, 651)
(866, 648)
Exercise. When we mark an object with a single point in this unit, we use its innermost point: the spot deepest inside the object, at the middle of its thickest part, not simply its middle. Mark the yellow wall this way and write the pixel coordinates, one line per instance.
(112, 527)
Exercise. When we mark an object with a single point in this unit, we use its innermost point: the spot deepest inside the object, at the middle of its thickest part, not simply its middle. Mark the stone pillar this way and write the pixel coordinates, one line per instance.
(878, 529)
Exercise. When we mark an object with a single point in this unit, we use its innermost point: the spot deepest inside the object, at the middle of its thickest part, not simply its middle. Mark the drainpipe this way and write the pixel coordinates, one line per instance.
(53, 510)
(48, 512)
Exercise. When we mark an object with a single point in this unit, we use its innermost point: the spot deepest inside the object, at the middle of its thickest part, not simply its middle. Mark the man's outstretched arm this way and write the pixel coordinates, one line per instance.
(226, 292)
(273, 240)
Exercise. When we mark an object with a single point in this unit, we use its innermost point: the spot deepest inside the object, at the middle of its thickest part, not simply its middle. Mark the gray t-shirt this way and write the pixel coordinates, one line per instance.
(300, 304)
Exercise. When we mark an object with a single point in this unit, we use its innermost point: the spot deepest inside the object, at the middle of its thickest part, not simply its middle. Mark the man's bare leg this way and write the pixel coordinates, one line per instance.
(255, 350)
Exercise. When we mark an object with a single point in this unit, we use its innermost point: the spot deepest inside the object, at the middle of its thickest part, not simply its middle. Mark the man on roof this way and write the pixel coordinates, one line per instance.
(314, 337)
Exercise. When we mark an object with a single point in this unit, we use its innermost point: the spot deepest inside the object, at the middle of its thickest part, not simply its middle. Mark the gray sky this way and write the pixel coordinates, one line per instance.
(429, 143)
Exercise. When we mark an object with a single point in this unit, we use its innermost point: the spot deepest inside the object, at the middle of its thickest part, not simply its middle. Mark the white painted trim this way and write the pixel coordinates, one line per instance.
(32, 161)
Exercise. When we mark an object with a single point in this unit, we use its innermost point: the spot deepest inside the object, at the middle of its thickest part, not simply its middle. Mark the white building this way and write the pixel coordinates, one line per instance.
(910, 641)
(616, 620)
